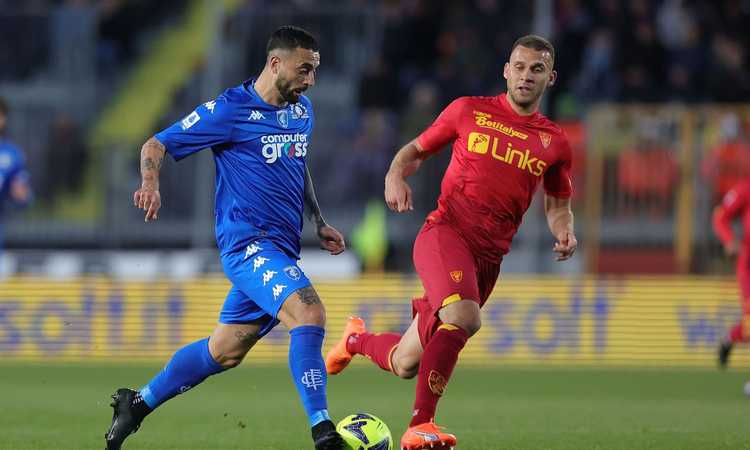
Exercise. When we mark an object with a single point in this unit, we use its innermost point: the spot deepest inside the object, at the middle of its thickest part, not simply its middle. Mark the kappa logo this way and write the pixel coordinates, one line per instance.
(190, 120)
(267, 276)
(251, 250)
(210, 106)
(282, 116)
(256, 115)
(546, 138)
(258, 261)
(457, 275)
(293, 272)
(277, 290)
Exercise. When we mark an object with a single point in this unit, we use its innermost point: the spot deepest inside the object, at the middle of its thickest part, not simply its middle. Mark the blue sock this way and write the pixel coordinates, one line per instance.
(309, 370)
(188, 367)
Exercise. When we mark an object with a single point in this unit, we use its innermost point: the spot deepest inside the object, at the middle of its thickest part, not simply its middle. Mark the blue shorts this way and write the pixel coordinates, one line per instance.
(262, 277)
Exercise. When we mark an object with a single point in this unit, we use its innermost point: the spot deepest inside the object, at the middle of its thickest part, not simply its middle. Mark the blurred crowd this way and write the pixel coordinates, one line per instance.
(651, 51)
(117, 24)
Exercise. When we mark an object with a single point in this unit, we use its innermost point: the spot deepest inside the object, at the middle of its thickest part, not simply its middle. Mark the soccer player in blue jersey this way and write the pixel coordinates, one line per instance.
(259, 133)
(14, 179)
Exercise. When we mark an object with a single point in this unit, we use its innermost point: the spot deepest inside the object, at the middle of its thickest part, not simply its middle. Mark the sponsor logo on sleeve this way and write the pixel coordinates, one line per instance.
(190, 120)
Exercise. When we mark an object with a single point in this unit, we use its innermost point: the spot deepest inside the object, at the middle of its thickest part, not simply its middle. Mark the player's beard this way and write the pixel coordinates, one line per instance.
(287, 91)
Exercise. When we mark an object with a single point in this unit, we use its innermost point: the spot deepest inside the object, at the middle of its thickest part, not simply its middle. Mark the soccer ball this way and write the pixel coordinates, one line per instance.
(365, 432)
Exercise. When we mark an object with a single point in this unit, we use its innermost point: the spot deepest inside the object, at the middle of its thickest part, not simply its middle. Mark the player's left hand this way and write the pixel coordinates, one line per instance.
(565, 246)
(331, 239)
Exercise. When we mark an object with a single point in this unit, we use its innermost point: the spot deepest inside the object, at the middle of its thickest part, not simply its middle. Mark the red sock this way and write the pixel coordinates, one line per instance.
(438, 360)
(737, 334)
(376, 347)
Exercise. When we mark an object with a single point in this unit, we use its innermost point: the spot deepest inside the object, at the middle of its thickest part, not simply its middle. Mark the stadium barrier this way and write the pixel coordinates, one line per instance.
(628, 321)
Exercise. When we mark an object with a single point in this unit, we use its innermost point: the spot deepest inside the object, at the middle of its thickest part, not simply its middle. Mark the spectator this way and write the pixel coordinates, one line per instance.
(728, 164)
(647, 174)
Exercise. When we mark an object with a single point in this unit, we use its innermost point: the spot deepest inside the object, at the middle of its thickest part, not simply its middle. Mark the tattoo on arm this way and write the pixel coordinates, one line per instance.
(152, 156)
(312, 209)
(308, 296)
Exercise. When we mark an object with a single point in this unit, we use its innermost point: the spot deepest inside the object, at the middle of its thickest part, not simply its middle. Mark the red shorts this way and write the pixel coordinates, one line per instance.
(449, 273)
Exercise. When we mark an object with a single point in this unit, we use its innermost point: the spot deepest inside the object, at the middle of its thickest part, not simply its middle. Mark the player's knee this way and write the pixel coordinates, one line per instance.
(229, 359)
(471, 325)
(406, 372)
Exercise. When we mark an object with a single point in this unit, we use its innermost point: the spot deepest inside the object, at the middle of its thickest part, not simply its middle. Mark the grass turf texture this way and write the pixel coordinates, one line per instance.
(66, 407)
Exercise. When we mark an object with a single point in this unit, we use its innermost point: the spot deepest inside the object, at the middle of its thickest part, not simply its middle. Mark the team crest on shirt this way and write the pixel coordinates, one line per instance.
(546, 138)
(457, 275)
(282, 116)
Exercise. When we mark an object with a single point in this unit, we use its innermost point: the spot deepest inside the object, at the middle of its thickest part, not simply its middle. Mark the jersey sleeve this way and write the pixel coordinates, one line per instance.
(734, 202)
(209, 124)
(557, 180)
(443, 130)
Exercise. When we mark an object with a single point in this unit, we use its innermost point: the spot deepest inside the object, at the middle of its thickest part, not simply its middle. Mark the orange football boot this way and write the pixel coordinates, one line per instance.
(338, 357)
(427, 436)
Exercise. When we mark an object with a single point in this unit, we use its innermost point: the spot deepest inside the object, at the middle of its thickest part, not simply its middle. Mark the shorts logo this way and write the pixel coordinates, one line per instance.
(293, 272)
(457, 275)
(210, 106)
(267, 276)
(437, 383)
(277, 290)
(545, 138)
(251, 250)
(282, 116)
(258, 261)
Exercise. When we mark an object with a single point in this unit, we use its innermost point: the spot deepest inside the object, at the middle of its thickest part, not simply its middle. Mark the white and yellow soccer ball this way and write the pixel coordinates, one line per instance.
(364, 431)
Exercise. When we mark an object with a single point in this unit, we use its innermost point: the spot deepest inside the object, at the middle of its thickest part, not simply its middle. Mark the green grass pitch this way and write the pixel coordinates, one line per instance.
(256, 407)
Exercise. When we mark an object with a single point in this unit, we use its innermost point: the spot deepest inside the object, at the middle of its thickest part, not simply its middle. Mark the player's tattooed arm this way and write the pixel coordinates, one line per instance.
(560, 221)
(312, 209)
(147, 197)
(330, 238)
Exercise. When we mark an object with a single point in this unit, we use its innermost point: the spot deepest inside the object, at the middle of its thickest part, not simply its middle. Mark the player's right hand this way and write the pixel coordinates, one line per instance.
(398, 195)
(149, 200)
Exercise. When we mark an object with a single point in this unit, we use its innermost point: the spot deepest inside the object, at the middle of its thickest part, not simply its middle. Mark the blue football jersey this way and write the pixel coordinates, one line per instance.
(259, 151)
(12, 166)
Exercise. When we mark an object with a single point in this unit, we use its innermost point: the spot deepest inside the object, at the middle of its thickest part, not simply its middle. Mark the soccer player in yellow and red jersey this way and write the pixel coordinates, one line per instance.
(503, 148)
